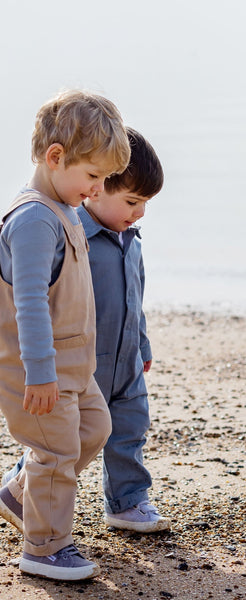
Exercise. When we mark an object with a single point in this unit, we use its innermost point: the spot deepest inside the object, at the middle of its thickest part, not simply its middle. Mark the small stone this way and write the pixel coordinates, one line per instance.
(140, 572)
(207, 566)
(14, 562)
(201, 524)
(183, 566)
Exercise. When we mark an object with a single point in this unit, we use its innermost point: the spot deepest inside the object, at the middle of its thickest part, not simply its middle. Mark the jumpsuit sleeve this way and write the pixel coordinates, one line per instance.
(144, 341)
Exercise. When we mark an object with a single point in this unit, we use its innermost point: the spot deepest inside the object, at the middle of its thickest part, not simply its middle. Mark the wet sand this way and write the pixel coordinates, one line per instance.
(195, 450)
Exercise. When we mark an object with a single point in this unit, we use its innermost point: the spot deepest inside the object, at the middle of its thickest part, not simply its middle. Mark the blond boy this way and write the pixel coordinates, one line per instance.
(47, 328)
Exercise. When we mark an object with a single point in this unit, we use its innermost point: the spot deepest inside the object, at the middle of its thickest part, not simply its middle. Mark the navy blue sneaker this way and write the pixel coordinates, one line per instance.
(10, 509)
(66, 564)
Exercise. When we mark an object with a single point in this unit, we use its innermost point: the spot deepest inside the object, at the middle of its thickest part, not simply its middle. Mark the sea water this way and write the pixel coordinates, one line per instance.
(194, 231)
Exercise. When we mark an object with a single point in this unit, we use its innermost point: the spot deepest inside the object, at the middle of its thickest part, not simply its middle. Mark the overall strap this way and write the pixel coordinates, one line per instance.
(35, 196)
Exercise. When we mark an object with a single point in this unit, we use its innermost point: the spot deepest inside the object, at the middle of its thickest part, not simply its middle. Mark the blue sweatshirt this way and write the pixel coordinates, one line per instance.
(32, 244)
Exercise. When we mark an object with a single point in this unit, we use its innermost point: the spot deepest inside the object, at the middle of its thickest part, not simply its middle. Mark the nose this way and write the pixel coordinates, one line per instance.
(98, 186)
(139, 212)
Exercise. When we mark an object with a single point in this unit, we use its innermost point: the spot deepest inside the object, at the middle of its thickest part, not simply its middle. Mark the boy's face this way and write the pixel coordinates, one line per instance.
(116, 211)
(74, 183)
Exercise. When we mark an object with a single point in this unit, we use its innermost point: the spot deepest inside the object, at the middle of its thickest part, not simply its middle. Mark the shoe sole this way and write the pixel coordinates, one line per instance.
(141, 527)
(11, 517)
(59, 573)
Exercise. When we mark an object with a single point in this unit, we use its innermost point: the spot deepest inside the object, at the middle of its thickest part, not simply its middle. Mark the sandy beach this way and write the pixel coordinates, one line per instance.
(195, 450)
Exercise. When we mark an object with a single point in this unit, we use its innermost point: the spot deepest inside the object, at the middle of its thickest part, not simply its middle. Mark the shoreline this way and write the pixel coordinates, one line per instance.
(215, 309)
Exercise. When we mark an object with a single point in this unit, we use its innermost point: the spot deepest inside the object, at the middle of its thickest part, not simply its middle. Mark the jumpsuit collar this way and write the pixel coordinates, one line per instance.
(92, 228)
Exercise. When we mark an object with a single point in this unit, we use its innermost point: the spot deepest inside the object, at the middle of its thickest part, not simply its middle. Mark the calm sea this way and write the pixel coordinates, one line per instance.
(194, 232)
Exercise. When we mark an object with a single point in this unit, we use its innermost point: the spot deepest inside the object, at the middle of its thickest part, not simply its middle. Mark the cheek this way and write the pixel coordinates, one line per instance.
(74, 184)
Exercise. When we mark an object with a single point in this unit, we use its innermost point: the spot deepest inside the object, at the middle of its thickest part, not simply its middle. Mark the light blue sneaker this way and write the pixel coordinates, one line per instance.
(15, 470)
(144, 517)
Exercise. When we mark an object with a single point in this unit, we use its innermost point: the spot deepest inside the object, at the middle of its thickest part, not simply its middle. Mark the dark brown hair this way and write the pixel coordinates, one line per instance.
(144, 174)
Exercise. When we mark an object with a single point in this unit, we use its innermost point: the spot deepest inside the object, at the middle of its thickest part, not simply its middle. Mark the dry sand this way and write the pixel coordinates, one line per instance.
(196, 452)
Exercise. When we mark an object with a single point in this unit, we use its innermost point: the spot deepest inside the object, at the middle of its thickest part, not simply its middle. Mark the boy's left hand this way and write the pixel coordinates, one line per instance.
(40, 398)
(147, 365)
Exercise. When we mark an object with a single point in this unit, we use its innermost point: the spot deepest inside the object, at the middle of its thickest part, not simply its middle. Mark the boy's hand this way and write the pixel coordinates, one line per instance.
(147, 365)
(41, 399)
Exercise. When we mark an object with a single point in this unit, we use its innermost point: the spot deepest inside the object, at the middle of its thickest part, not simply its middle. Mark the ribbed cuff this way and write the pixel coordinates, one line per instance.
(40, 371)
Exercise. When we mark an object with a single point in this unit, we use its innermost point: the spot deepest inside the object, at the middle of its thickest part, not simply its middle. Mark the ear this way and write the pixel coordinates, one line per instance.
(53, 155)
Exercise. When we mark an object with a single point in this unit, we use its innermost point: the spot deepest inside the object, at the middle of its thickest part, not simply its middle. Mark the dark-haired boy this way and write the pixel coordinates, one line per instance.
(122, 347)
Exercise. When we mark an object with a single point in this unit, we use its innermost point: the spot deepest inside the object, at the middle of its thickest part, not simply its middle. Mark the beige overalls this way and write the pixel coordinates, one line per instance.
(64, 441)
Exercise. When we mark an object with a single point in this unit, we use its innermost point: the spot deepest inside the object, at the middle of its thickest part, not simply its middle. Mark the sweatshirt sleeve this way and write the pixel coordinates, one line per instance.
(33, 245)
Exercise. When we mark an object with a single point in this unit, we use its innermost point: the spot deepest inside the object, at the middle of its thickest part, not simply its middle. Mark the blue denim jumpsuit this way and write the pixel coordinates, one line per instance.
(121, 347)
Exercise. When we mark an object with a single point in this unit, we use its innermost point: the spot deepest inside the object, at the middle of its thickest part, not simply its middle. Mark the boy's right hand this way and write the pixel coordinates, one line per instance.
(41, 399)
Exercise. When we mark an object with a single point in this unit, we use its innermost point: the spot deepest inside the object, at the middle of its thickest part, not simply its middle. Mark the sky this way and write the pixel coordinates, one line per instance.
(161, 62)
(176, 70)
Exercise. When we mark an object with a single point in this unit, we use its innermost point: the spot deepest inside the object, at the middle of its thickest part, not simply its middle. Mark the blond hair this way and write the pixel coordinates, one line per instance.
(86, 125)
